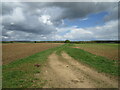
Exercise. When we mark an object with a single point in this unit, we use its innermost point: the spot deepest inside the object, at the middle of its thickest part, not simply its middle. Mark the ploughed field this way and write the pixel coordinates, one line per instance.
(60, 66)
(109, 51)
(14, 51)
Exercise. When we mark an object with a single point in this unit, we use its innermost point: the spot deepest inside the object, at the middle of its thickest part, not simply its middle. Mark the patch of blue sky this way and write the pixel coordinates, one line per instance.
(92, 20)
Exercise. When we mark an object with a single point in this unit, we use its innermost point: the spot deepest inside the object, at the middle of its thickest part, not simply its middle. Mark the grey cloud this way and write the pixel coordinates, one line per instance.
(71, 9)
(27, 25)
(31, 24)
(79, 10)
(30, 27)
(8, 7)
(112, 14)
(21, 36)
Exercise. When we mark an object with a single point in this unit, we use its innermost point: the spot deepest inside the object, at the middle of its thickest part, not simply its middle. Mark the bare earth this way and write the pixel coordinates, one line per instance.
(100, 50)
(65, 72)
(14, 51)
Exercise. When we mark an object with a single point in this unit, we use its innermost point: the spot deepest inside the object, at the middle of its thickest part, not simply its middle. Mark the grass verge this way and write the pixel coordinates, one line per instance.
(100, 63)
(21, 73)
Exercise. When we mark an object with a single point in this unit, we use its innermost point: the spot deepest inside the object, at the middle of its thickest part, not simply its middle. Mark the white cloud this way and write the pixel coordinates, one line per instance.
(4, 37)
(45, 19)
(108, 31)
(84, 19)
(15, 17)
(9, 32)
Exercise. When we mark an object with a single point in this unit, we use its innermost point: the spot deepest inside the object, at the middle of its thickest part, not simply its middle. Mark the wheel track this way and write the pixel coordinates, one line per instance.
(65, 72)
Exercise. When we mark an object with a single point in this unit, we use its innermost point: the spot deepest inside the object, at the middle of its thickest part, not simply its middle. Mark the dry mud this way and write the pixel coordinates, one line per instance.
(65, 72)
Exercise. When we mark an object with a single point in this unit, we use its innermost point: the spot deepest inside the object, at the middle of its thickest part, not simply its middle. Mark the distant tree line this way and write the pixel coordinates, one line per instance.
(95, 42)
(66, 41)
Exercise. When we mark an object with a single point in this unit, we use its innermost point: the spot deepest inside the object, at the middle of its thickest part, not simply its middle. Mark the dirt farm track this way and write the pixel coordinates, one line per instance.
(14, 51)
(67, 66)
(65, 72)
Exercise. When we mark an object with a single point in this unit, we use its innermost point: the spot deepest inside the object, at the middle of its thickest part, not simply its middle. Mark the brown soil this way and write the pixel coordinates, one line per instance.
(11, 52)
(108, 52)
(65, 72)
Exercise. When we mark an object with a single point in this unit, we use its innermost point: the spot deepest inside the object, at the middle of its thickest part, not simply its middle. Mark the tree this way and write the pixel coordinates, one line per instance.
(67, 41)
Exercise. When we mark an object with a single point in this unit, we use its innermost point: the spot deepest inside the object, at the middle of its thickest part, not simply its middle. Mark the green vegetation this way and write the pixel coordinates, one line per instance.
(98, 44)
(107, 50)
(20, 73)
(100, 63)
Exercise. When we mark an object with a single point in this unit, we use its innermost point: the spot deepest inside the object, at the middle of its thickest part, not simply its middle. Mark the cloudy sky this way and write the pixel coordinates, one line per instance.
(59, 21)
